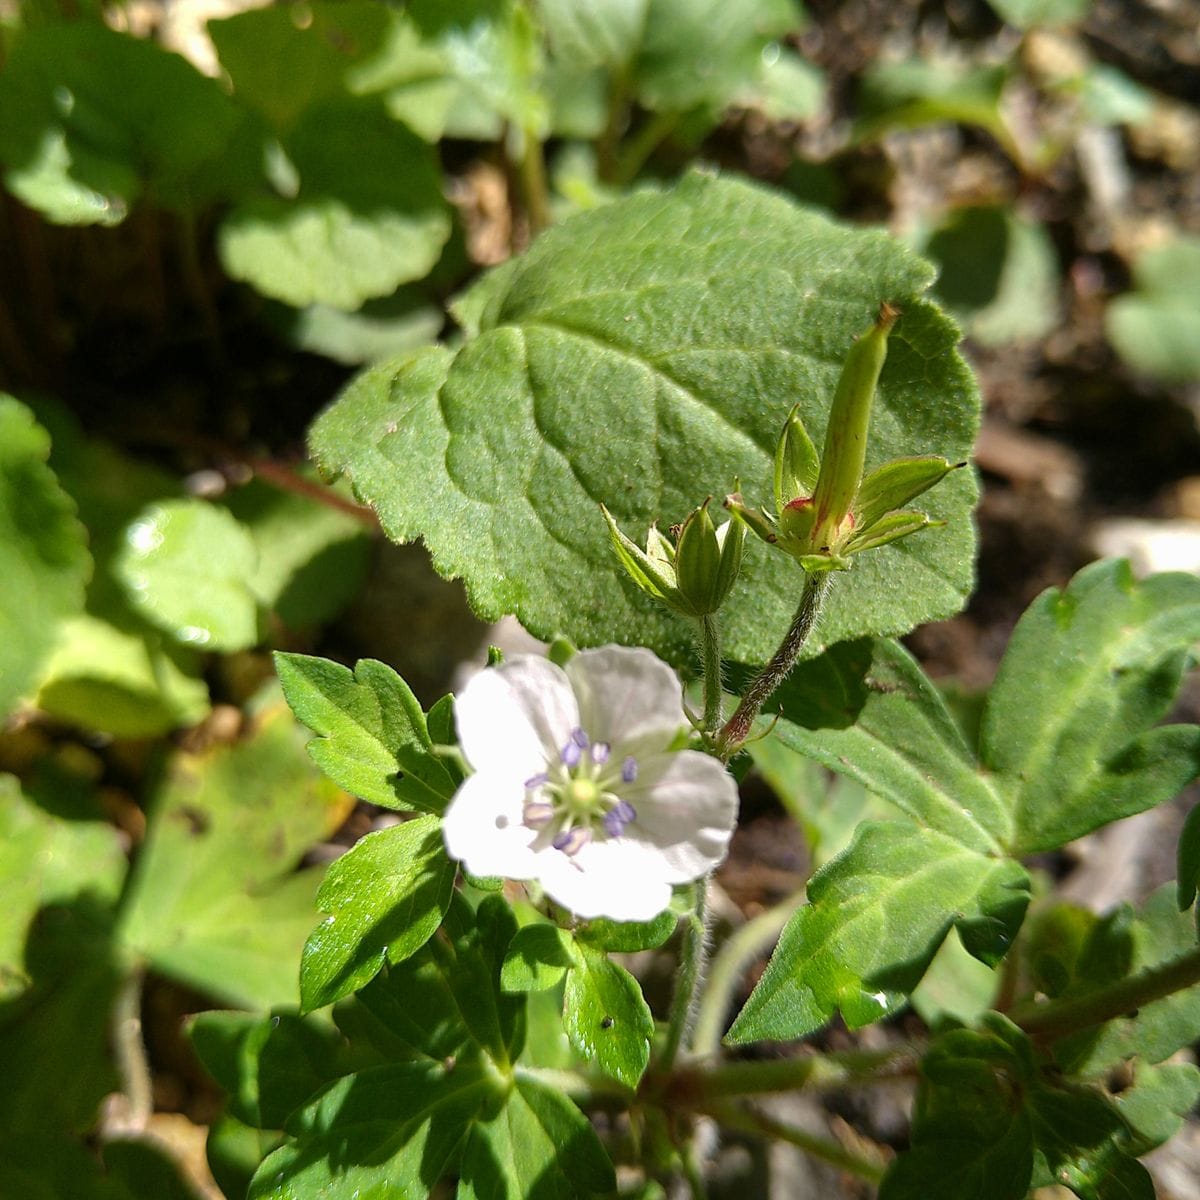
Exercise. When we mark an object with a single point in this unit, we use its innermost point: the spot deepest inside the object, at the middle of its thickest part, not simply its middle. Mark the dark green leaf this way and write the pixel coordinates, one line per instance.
(385, 897)
(538, 1145)
(269, 1065)
(1189, 860)
(86, 129)
(1065, 733)
(586, 378)
(387, 1130)
(875, 918)
(538, 957)
(43, 553)
(372, 738)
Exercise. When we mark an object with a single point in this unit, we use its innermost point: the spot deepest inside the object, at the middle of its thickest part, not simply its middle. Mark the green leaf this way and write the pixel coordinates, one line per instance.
(1155, 1106)
(1156, 327)
(282, 62)
(788, 88)
(86, 129)
(917, 92)
(43, 554)
(588, 34)
(269, 1065)
(234, 1151)
(538, 957)
(606, 1018)
(214, 900)
(372, 739)
(905, 747)
(1065, 734)
(738, 302)
(703, 52)
(875, 918)
(627, 937)
(539, 1144)
(135, 1169)
(186, 567)
(957, 987)
(385, 897)
(1028, 14)
(386, 1130)
(999, 274)
(1160, 934)
(127, 680)
(367, 214)
(55, 846)
(312, 558)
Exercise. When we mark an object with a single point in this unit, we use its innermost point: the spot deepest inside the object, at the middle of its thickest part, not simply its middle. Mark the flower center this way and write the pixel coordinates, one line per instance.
(578, 797)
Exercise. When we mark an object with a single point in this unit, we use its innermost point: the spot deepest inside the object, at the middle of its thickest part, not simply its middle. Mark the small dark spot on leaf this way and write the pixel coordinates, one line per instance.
(607, 1023)
(196, 820)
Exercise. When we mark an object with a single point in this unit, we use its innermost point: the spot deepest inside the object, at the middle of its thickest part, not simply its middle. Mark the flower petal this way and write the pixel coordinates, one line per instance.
(621, 879)
(483, 828)
(686, 806)
(627, 695)
(514, 718)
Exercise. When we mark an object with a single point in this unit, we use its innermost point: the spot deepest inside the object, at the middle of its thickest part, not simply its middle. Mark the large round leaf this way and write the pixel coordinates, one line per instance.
(644, 356)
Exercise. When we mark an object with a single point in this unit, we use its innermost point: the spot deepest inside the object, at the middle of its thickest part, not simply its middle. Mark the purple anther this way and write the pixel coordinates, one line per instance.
(537, 815)
(629, 769)
(618, 817)
(537, 781)
(571, 841)
(571, 754)
(600, 753)
(579, 738)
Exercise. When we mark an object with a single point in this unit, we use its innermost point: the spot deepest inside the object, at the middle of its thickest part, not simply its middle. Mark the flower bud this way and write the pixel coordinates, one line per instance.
(695, 575)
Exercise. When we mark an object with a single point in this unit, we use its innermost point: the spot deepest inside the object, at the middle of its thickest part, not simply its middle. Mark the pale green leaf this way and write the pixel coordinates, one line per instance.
(379, 329)
(788, 87)
(1155, 1106)
(584, 33)
(44, 561)
(1156, 327)
(385, 897)
(644, 355)
(368, 214)
(875, 918)
(51, 852)
(606, 1018)
(372, 738)
(214, 900)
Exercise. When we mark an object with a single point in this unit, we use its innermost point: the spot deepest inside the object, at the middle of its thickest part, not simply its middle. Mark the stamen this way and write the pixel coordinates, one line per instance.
(618, 817)
(537, 815)
(600, 753)
(571, 841)
(579, 738)
(629, 769)
(571, 754)
(537, 781)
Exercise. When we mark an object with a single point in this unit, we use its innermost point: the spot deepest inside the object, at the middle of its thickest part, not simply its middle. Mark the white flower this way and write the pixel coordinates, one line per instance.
(575, 785)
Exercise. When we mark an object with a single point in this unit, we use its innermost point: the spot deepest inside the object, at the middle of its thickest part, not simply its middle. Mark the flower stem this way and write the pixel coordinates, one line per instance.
(532, 173)
(737, 728)
(727, 968)
(710, 646)
(700, 1083)
(691, 968)
(1046, 1023)
(745, 1119)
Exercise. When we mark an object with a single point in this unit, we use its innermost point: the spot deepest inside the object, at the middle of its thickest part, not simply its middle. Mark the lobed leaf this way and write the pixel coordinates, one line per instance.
(643, 355)
(875, 918)
(372, 738)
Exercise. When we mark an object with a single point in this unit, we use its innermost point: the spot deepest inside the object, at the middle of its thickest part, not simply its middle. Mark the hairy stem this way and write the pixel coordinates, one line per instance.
(728, 966)
(1047, 1022)
(750, 1120)
(737, 728)
(691, 968)
(710, 647)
